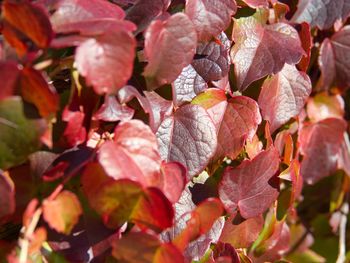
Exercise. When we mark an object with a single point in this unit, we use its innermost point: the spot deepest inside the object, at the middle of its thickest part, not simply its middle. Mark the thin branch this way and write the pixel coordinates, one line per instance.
(342, 233)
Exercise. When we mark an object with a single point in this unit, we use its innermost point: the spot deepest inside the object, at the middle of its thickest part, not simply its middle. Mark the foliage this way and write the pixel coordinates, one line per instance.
(174, 131)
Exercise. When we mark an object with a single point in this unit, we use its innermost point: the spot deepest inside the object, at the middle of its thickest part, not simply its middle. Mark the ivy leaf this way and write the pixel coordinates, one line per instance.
(17, 14)
(334, 59)
(261, 50)
(237, 119)
(214, 60)
(169, 47)
(8, 78)
(188, 137)
(187, 85)
(118, 201)
(210, 18)
(7, 192)
(248, 187)
(144, 11)
(152, 249)
(73, 11)
(320, 144)
(19, 136)
(111, 110)
(96, 56)
(283, 96)
(321, 13)
(133, 154)
(62, 213)
(35, 89)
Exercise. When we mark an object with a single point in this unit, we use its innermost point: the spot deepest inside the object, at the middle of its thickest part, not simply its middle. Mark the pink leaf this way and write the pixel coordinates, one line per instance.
(95, 58)
(283, 96)
(214, 60)
(320, 144)
(261, 50)
(133, 154)
(75, 132)
(188, 137)
(72, 11)
(187, 85)
(210, 18)
(321, 13)
(111, 110)
(334, 59)
(169, 47)
(248, 187)
(257, 3)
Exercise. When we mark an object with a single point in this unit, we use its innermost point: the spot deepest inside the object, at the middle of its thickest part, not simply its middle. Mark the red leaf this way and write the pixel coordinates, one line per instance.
(248, 187)
(210, 18)
(188, 137)
(261, 50)
(257, 3)
(62, 213)
(111, 110)
(72, 11)
(334, 59)
(35, 89)
(306, 42)
(214, 60)
(283, 96)
(187, 85)
(8, 78)
(169, 47)
(133, 154)
(96, 56)
(7, 192)
(236, 119)
(130, 246)
(18, 13)
(144, 11)
(321, 13)
(320, 144)
(74, 133)
(173, 180)
(244, 234)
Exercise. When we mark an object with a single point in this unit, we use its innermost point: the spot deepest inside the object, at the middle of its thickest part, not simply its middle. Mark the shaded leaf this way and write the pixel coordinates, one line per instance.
(334, 59)
(96, 56)
(321, 13)
(210, 18)
(18, 13)
(8, 78)
(74, 133)
(148, 249)
(187, 85)
(63, 212)
(35, 89)
(188, 137)
(283, 96)
(169, 47)
(248, 187)
(214, 60)
(7, 192)
(19, 136)
(261, 50)
(306, 42)
(319, 144)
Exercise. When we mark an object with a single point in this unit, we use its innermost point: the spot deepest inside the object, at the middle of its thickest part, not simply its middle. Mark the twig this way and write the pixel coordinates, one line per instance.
(342, 233)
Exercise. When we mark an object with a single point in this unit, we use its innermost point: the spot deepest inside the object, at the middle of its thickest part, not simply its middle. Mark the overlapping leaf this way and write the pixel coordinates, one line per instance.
(169, 47)
(111, 110)
(210, 18)
(249, 188)
(261, 50)
(321, 13)
(320, 144)
(237, 119)
(334, 59)
(284, 95)
(188, 137)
